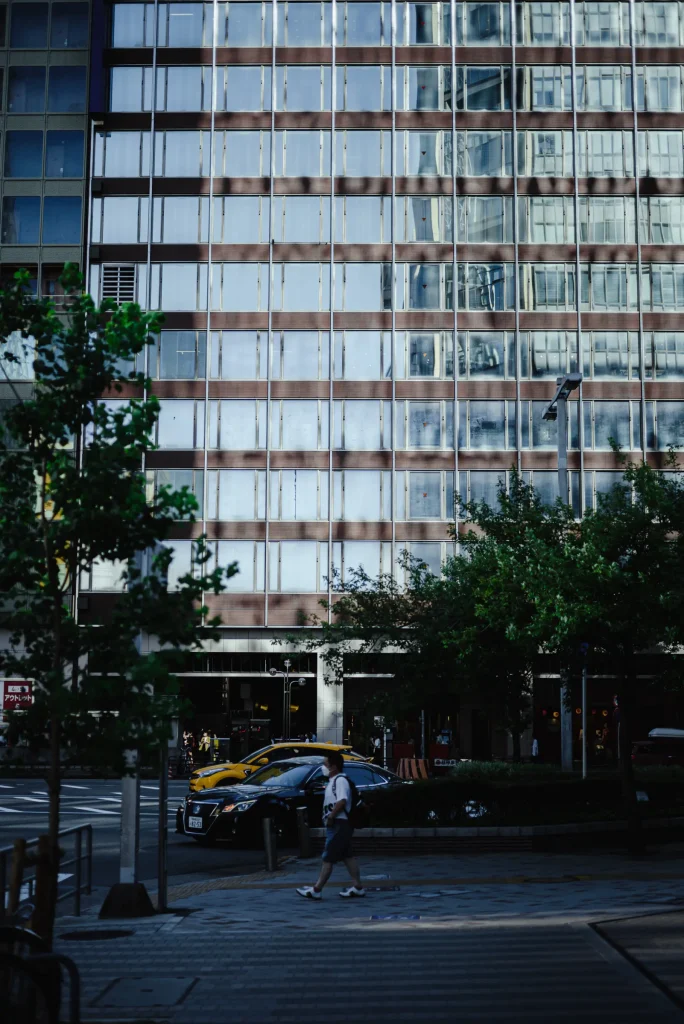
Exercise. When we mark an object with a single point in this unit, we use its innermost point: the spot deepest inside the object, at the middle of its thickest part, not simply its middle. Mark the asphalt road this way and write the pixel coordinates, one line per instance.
(24, 812)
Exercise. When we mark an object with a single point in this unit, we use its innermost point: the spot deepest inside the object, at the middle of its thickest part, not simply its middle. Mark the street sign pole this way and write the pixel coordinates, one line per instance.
(584, 722)
(130, 820)
(163, 840)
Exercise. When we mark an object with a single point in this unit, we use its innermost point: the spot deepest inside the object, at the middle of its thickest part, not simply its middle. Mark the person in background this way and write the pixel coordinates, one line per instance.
(215, 745)
(205, 745)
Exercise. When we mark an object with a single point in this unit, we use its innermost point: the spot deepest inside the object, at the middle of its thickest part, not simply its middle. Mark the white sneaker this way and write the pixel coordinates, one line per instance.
(309, 892)
(352, 891)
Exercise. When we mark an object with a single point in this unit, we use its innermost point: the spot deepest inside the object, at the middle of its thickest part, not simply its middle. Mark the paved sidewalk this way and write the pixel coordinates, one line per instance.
(442, 938)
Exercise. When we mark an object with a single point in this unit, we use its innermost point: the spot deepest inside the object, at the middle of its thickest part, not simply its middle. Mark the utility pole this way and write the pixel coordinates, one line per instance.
(557, 409)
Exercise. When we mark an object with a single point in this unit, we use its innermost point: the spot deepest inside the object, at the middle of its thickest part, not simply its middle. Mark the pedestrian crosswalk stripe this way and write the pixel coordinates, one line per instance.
(33, 799)
(10, 810)
(70, 785)
(94, 810)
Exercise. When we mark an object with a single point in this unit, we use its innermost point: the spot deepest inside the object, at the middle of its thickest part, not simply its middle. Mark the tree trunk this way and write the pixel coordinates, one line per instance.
(635, 834)
(515, 735)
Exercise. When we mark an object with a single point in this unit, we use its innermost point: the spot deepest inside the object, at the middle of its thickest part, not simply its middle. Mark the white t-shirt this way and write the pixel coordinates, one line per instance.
(338, 788)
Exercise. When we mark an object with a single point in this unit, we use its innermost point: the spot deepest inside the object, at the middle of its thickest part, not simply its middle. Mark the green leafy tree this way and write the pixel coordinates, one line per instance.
(612, 581)
(72, 495)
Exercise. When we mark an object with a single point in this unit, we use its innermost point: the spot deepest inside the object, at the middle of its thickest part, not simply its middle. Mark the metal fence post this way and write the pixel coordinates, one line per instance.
(78, 853)
(3, 883)
(269, 844)
(89, 859)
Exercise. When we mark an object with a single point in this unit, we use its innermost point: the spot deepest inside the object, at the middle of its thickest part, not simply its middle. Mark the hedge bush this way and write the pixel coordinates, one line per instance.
(455, 801)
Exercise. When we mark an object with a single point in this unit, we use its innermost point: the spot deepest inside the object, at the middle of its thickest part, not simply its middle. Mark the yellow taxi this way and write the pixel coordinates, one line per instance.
(231, 772)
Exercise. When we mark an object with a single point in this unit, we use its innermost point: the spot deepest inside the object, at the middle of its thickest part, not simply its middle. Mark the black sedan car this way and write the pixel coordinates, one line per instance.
(275, 791)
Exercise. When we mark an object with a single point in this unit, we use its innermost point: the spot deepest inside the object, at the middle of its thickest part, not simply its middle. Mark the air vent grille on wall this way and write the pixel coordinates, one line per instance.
(118, 282)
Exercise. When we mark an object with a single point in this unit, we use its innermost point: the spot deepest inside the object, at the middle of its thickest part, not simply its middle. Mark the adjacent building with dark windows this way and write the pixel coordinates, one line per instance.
(379, 232)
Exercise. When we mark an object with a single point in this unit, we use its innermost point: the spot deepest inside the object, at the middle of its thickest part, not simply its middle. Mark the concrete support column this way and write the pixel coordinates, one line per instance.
(329, 705)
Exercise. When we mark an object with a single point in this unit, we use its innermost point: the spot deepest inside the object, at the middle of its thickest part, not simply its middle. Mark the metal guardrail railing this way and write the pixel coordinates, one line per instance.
(81, 861)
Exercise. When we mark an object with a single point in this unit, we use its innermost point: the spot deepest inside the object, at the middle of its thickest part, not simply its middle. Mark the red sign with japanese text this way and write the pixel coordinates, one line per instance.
(17, 693)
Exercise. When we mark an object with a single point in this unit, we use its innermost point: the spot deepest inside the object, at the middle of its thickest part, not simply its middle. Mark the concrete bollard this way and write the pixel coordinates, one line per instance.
(270, 851)
(303, 833)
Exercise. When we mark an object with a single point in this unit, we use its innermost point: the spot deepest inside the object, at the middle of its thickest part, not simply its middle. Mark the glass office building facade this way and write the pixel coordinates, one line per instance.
(44, 67)
(379, 232)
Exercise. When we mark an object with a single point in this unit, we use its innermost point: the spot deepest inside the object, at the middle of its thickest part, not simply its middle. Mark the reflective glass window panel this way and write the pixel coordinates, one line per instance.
(299, 87)
(484, 89)
(362, 286)
(182, 355)
(362, 219)
(424, 424)
(669, 355)
(665, 219)
(29, 26)
(180, 424)
(295, 494)
(66, 90)
(358, 495)
(611, 420)
(485, 486)
(362, 87)
(483, 154)
(64, 154)
(240, 219)
(361, 24)
(302, 219)
(247, 24)
(238, 355)
(62, 220)
(358, 425)
(248, 88)
(251, 560)
(121, 154)
(669, 424)
(487, 425)
(359, 355)
(69, 26)
(662, 89)
(424, 495)
(299, 355)
(20, 220)
(304, 24)
(362, 153)
(298, 425)
(181, 24)
(128, 25)
(241, 494)
(26, 90)
(486, 354)
(247, 154)
(302, 154)
(23, 154)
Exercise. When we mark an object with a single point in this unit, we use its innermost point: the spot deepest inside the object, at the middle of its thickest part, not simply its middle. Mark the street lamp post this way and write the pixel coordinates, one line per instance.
(557, 409)
(287, 691)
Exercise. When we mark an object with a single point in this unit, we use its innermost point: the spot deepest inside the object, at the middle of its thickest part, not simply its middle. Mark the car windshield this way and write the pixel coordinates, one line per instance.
(280, 773)
(257, 754)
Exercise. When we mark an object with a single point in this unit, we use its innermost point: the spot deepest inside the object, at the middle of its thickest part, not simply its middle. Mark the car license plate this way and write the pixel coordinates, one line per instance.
(194, 823)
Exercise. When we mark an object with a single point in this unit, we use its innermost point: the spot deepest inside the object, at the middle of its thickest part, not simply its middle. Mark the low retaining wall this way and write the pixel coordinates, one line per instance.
(480, 839)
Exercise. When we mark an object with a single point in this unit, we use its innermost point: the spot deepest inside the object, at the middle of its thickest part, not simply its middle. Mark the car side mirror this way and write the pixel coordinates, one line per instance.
(317, 784)
(262, 760)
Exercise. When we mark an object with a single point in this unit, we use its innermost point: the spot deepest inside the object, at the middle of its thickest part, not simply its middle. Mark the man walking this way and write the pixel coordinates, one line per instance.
(337, 804)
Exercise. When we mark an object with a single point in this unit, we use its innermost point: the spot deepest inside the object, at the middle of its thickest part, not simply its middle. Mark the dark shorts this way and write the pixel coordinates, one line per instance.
(338, 842)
